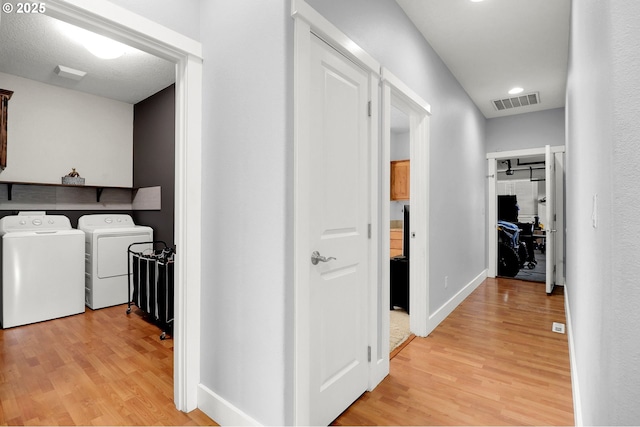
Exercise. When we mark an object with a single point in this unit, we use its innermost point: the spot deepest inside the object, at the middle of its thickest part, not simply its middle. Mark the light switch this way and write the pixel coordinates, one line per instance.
(594, 212)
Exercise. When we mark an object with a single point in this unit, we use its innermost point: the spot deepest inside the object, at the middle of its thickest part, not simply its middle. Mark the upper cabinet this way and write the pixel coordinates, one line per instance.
(400, 179)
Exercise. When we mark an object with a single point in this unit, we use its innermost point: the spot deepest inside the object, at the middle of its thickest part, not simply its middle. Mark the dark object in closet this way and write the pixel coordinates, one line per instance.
(400, 283)
(508, 208)
(508, 261)
(406, 232)
(151, 284)
(526, 238)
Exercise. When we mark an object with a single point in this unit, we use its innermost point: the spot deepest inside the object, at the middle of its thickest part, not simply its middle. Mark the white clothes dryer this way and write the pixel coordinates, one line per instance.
(107, 238)
(42, 268)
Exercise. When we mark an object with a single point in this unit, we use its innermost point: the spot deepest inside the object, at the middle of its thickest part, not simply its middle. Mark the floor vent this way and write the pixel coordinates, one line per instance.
(516, 101)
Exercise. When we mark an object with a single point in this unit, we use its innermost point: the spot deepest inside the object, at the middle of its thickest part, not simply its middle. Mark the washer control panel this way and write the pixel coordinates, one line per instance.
(26, 222)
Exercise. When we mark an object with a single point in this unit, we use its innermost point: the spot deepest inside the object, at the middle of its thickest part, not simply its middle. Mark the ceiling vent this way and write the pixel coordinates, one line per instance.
(516, 101)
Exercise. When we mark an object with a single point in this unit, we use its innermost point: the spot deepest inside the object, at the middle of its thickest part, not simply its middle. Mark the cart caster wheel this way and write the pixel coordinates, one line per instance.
(531, 266)
(129, 310)
(163, 336)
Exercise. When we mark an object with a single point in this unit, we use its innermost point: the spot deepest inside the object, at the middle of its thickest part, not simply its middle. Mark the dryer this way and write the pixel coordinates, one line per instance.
(107, 238)
(42, 275)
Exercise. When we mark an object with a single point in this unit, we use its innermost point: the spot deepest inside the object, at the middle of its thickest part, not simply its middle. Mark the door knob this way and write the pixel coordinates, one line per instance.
(316, 258)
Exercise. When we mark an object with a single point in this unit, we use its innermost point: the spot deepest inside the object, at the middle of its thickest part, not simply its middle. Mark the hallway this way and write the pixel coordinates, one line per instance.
(493, 361)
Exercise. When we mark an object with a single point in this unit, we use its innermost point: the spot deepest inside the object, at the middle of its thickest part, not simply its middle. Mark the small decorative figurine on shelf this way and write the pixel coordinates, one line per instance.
(73, 178)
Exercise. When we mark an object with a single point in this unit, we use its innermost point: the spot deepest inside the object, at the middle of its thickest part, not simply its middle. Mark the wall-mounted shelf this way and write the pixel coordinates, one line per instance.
(69, 197)
(99, 188)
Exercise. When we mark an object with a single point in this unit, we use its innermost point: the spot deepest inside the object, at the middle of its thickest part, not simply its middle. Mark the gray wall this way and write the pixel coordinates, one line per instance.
(400, 150)
(154, 159)
(528, 130)
(603, 262)
(182, 16)
(247, 288)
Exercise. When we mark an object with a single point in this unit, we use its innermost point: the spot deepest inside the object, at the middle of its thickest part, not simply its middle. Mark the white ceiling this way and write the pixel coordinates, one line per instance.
(32, 45)
(493, 45)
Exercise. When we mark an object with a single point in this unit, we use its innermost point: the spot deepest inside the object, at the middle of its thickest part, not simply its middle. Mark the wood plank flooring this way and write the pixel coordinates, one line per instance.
(98, 368)
(493, 361)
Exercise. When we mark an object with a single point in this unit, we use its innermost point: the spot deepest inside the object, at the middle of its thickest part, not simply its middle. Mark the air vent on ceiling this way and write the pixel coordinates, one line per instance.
(516, 101)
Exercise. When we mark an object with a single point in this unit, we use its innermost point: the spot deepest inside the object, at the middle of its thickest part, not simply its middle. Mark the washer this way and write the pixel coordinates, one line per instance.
(107, 238)
(42, 268)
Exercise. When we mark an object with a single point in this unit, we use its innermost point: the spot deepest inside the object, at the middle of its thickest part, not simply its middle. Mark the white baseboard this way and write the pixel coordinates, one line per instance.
(436, 318)
(575, 388)
(221, 411)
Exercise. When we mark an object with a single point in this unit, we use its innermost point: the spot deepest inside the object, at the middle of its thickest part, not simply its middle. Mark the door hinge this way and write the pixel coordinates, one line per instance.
(369, 354)
(369, 230)
(369, 108)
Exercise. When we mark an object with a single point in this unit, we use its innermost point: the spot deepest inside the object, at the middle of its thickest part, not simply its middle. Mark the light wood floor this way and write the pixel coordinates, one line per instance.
(493, 361)
(98, 368)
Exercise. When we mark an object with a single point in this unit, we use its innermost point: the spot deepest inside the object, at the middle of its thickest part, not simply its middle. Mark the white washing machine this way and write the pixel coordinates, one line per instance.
(107, 238)
(42, 268)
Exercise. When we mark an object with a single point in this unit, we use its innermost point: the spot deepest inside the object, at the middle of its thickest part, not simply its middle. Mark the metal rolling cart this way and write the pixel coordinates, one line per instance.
(151, 283)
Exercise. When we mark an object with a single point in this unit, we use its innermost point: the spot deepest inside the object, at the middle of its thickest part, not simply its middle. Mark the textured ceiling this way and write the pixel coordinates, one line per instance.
(32, 45)
(493, 45)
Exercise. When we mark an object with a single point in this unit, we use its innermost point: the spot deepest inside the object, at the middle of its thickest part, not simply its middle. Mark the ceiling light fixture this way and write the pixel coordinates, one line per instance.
(100, 46)
(516, 90)
(103, 47)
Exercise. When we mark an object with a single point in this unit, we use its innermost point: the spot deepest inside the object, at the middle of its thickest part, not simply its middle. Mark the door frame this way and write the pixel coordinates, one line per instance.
(492, 203)
(134, 30)
(396, 92)
(308, 23)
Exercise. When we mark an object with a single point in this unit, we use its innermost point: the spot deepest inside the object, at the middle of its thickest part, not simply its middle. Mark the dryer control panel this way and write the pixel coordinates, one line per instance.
(105, 221)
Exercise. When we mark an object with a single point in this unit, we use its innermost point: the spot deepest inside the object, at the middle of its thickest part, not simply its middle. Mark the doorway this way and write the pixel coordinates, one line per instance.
(399, 224)
(399, 100)
(541, 186)
(522, 218)
(122, 25)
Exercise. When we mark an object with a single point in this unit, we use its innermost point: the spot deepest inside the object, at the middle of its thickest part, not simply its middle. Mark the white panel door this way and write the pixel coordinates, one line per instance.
(550, 246)
(338, 197)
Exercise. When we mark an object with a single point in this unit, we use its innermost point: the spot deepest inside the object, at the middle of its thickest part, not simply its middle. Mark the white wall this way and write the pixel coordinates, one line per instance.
(603, 262)
(457, 144)
(52, 129)
(528, 130)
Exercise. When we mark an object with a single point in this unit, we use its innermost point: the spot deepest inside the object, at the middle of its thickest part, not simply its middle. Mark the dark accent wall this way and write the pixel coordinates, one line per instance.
(154, 159)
